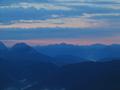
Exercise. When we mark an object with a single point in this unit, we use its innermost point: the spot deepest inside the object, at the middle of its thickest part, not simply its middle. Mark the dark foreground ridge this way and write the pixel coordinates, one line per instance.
(24, 68)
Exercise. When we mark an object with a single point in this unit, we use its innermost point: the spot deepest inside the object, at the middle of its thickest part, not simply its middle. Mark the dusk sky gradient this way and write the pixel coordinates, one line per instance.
(41, 22)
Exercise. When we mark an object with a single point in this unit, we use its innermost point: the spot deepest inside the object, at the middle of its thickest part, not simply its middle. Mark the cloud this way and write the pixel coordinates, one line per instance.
(57, 21)
(117, 1)
(114, 6)
(47, 41)
(90, 15)
(85, 21)
(29, 1)
(106, 41)
(70, 22)
(37, 6)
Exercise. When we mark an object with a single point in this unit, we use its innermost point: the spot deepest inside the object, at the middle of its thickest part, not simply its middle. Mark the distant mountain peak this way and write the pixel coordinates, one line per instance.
(1, 43)
(21, 47)
(98, 45)
(2, 46)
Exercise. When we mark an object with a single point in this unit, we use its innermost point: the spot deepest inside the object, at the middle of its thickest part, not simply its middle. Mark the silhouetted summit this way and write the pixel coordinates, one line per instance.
(2, 46)
(21, 46)
(25, 52)
(3, 50)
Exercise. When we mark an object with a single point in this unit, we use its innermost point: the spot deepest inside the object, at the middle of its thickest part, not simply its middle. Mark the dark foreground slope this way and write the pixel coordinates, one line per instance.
(91, 76)
(81, 76)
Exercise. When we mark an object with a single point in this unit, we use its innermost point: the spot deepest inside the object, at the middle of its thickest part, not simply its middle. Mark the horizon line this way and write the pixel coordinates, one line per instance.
(62, 43)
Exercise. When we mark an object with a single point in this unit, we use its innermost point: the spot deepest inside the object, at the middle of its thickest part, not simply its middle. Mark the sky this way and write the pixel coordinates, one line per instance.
(43, 22)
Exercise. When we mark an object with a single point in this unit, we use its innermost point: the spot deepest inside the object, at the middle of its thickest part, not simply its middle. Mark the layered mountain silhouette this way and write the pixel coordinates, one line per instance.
(24, 62)
(91, 52)
(23, 67)
(60, 53)
(24, 52)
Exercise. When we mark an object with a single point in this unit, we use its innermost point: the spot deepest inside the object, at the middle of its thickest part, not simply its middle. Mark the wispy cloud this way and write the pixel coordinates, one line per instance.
(73, 22)
(38, 6)
(103, 1)
(61, 5)
(114, 6)
(26, 21)
(106, 41)
(90, 15)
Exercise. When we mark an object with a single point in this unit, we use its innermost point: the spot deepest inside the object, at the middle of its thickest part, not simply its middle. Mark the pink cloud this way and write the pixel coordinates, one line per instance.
(73, 22)
(106, 41)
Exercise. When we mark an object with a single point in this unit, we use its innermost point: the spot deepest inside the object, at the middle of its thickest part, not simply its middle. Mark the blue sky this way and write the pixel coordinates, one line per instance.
(56, 21)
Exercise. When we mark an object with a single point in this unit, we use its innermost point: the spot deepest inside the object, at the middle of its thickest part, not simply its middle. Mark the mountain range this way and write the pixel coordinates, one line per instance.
(60, 54)
(23, 67)
(90, 52)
